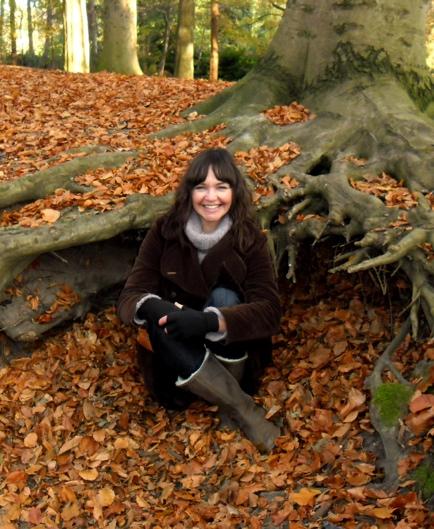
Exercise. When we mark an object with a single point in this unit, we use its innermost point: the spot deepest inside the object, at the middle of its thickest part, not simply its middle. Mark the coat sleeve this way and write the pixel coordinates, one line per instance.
(259, 315)
(144, 277)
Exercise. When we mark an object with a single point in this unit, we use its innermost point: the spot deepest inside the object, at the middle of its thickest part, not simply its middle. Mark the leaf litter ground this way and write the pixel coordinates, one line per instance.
(81, 442)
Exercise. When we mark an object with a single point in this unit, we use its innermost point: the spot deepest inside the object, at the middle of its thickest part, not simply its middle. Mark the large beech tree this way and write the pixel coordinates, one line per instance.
(119, 48)
(359, 65)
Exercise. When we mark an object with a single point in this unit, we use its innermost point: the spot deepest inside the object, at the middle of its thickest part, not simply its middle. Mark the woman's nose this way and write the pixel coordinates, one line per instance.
(211, 193)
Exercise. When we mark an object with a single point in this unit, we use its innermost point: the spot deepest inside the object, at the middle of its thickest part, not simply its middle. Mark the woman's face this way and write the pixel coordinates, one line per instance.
(211, 200)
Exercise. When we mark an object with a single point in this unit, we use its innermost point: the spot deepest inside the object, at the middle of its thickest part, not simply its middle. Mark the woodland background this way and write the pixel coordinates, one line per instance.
(81, 442)
(32, 33)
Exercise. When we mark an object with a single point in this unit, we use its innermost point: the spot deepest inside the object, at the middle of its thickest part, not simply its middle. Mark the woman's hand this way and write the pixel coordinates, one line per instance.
(154, 308)
(189, 323)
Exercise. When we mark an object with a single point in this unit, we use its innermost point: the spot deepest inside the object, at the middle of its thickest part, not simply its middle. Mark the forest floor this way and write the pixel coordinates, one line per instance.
(81, 442)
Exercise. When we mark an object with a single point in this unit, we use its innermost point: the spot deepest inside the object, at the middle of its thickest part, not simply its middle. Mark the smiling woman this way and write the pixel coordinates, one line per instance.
(203, 284)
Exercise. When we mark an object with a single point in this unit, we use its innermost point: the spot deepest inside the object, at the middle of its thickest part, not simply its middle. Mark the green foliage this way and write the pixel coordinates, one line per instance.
(234, 63)
(424, 477)
(392, 401)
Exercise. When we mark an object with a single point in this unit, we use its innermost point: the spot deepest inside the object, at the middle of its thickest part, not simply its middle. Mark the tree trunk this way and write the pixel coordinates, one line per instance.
(48, 42)
(2, 19)
(93, 33)
(167, 27)
(76, 36)
(214, 57)
(184, 63)
(13, 30)
(30, 28)
(119, 49)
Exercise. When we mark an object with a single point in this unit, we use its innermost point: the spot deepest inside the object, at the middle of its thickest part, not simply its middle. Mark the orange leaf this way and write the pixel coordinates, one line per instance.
(421, 402)
(381, 512)
(89, 475)
(70, 511)
(31, 440)
(105, 496)
(35, 515)
(305, 496)
(50, 215)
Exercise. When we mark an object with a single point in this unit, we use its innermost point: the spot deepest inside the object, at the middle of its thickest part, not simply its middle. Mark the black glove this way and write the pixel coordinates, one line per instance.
(188, 323)
(155, 308)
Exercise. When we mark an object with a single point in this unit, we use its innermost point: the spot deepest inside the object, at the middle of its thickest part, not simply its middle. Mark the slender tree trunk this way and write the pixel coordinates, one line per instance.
(48, 43)
(184, 66)
(2, 17)
(119, 53)
(93, 32)
(167, 24)
(13, 30)
(30, 28)
(214, 57)
(76, 36)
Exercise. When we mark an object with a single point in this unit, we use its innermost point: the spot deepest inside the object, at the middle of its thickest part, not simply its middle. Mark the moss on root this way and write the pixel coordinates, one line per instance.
(392, 400)
(424, 477)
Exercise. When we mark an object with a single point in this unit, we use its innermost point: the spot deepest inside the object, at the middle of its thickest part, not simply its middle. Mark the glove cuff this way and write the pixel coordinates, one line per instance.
(212, 321)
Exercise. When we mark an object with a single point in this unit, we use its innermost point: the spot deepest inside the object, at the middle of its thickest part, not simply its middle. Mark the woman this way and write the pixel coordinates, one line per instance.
(203, 284)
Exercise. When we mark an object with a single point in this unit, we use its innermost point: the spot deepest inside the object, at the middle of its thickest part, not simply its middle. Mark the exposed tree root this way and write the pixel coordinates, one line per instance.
(45, 182)
(388, 434)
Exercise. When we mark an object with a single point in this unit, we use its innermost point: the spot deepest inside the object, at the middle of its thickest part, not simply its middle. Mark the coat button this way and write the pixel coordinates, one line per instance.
(172, 295)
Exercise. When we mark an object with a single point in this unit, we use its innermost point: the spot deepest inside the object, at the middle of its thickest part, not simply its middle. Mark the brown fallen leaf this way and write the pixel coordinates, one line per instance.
(105, 496)
(31, 440)
(89, 475)
(50, 215)
(305, 496)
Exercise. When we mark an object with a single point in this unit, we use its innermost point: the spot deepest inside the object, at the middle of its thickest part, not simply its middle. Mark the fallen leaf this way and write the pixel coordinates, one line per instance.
(31, 440)
(50, 215)
(89, 475)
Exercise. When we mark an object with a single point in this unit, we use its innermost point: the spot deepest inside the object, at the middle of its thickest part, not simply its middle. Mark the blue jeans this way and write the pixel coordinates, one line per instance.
(224, 297)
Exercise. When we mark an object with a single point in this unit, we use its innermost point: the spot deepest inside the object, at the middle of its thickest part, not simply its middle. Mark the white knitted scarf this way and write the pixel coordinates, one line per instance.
(205, 241)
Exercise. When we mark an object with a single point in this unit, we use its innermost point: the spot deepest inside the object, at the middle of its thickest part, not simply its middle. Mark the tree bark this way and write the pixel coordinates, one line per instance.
(167, 15)
(214, 57)
(119, 49)
(48, 29)
(30, 28)
(13, 30)
(93, 33)
(2, 19)
(184, 63)
(76, 36)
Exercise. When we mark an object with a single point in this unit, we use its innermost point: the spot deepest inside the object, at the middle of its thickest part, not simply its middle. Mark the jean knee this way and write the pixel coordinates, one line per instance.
(223, 297)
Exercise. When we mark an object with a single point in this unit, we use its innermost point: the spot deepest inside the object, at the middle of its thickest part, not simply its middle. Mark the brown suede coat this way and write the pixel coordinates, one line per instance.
(172, 270)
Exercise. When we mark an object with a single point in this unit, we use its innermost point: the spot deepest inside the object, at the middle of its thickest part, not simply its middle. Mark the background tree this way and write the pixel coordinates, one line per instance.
(76, 36)
(92, 18)
(214, 57)
(13, 30)
(30, 28)
(119, 47)
(2, 19)
(184, 63)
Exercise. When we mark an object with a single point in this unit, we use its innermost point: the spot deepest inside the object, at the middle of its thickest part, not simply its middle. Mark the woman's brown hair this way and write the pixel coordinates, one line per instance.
(225, 170)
